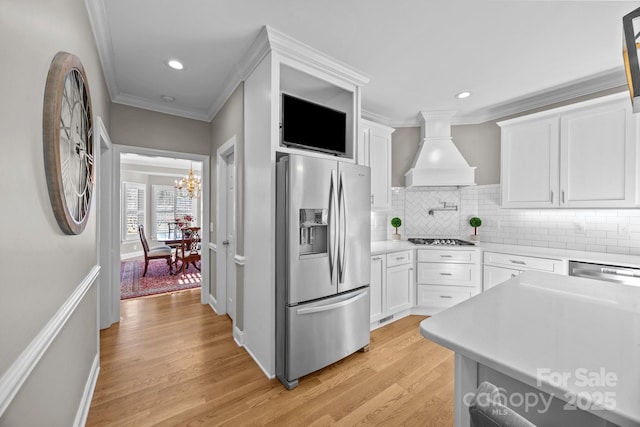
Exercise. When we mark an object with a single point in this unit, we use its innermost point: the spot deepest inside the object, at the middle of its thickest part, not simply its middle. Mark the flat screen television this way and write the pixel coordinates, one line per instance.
(312, 126)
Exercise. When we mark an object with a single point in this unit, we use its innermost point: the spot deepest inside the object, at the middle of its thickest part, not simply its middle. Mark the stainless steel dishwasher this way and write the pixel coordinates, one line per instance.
(608, 273)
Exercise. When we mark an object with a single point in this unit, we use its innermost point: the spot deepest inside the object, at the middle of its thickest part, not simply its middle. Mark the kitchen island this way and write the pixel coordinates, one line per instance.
(565, 350)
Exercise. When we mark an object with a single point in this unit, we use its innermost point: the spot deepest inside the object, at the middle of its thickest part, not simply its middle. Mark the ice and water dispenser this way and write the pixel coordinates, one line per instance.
(313, 231)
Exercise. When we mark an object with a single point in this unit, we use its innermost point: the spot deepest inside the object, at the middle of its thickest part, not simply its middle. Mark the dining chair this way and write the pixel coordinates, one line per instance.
(158, 252)
(189, 250)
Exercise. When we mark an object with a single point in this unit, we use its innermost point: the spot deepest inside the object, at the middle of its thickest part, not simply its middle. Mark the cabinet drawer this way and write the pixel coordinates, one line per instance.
(447, 256)
(399, 258)
(523, 262)
(446, 274)
(441, 296)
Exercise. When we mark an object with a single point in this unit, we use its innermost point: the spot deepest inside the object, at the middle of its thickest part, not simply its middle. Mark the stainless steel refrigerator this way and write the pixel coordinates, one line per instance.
(322, 263)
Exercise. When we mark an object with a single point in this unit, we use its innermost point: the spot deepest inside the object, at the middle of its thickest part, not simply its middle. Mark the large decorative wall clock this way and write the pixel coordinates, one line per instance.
(68, 142)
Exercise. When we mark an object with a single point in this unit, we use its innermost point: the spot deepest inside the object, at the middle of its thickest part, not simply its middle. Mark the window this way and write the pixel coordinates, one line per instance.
(133, 209)
(167, 206)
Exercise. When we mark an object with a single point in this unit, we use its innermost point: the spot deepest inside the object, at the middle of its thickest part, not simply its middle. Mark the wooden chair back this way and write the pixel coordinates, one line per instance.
(143, 239)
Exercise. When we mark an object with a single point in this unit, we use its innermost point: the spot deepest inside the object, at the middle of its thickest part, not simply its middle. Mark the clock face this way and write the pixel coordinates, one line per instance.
(68, 142)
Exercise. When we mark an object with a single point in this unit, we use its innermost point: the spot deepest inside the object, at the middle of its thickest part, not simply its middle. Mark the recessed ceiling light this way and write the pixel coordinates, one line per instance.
(175, 64)
(463, 95)
(168, 98)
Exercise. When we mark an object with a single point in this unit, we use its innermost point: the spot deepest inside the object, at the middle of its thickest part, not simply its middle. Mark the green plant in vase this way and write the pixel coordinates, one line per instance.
(475, 222)
(396, 223)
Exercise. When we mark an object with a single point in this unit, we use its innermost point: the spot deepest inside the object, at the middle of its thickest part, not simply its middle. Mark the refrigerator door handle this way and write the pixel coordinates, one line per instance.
(342, 211)
(329, 307)
(332, 224)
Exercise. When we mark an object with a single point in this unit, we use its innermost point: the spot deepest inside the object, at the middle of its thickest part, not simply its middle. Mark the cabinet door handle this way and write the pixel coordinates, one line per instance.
(514, 261)
(562, 193)
(372, 199)
(552, 196)
(446, 296)
(398, 258)
(376, 258)
(513, 275)
(446, 274)
(446, 256)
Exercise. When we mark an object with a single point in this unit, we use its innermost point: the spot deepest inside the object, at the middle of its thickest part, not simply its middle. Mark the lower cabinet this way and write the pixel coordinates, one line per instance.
(391, 285)
(500, 267)
(445, 278)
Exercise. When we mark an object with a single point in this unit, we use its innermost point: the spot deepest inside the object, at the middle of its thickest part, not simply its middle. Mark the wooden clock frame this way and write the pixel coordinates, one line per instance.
(68, 119)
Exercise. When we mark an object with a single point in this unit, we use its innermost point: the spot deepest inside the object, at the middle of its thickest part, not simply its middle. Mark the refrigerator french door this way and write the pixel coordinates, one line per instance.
(322, 256)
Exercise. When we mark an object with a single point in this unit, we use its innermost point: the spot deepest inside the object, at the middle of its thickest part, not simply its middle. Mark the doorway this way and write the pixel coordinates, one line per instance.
(113, 239)
(226, 257)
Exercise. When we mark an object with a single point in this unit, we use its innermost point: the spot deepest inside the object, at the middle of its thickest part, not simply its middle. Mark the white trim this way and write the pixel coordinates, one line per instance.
(239, 259)
(206, 182)
(238, 336)
(225, 150)
(130, 255)
(213, 303)
(87, 395)
(255, 359)
(145, 104)
(102, 35)
(13, 379)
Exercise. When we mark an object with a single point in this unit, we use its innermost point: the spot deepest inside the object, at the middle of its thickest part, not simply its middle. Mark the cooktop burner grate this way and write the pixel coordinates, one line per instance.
(440, 242)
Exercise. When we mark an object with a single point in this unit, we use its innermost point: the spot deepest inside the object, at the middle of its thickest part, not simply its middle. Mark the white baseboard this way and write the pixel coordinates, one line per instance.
(396, 316)
(87, 395)
(255, 359)
(238, 336)
(14, 377)
(213, 303)
(130, 255)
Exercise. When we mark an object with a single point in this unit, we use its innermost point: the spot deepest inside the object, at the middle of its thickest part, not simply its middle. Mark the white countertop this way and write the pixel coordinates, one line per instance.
(594, 257)
(547, 321)
(387, 246)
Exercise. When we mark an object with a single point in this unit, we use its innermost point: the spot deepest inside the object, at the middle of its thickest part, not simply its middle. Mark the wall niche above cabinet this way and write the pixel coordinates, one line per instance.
(582, 155)
(315, 104)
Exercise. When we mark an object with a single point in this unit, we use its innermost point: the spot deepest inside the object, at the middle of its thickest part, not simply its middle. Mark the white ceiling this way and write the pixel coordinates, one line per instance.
(511, 54)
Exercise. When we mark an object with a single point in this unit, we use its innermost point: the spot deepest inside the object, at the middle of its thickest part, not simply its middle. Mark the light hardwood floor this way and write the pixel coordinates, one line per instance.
(172, 361)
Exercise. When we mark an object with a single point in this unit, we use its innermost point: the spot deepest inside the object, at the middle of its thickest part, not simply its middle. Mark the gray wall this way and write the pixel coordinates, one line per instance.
(42, 267)
(479, 145)
(149, 129)
(229, 122)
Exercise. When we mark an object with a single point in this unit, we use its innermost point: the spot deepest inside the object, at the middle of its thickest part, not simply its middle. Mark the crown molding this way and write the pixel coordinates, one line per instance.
(102, 36)
(134, 101)
(271, 40)
(610, 79)
(294, 49)
(376, 118)
(258, 50)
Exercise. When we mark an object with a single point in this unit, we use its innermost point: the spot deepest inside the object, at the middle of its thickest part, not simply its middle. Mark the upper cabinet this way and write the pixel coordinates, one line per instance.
(374, 150)
(579, 156)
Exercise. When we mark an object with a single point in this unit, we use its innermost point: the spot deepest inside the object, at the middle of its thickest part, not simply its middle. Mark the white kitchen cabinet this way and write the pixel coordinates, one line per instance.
(499, 267)
(391, 286)
(374, 150)
(495, 275)
(445, 277)
(578, 156)
(378, 279)
(530, 164)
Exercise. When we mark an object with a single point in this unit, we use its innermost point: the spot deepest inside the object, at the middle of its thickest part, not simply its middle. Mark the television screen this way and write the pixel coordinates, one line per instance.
(312, 126)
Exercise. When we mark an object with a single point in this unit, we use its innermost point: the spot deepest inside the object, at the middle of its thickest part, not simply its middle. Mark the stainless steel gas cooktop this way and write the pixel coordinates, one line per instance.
(439, 242)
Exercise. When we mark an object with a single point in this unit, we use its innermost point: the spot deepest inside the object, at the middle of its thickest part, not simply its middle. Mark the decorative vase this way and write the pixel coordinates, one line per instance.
(396, 237)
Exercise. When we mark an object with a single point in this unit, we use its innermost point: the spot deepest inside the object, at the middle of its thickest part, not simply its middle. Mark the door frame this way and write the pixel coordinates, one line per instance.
(112, 237)
(109, 312)
(220, 299)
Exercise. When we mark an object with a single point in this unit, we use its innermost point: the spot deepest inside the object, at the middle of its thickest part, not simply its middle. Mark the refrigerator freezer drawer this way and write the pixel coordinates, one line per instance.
(323, 332)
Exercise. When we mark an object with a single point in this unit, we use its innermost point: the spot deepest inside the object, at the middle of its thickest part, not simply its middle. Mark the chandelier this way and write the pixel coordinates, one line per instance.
(189, 186)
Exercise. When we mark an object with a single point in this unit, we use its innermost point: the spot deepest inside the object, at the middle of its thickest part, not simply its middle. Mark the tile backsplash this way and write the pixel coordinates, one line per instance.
(597, 230)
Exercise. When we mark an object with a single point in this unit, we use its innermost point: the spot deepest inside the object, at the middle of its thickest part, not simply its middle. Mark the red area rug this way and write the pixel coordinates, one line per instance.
(157, 280)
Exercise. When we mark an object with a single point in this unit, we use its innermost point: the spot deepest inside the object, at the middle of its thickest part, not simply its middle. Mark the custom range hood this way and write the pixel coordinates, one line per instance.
(438, 162)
